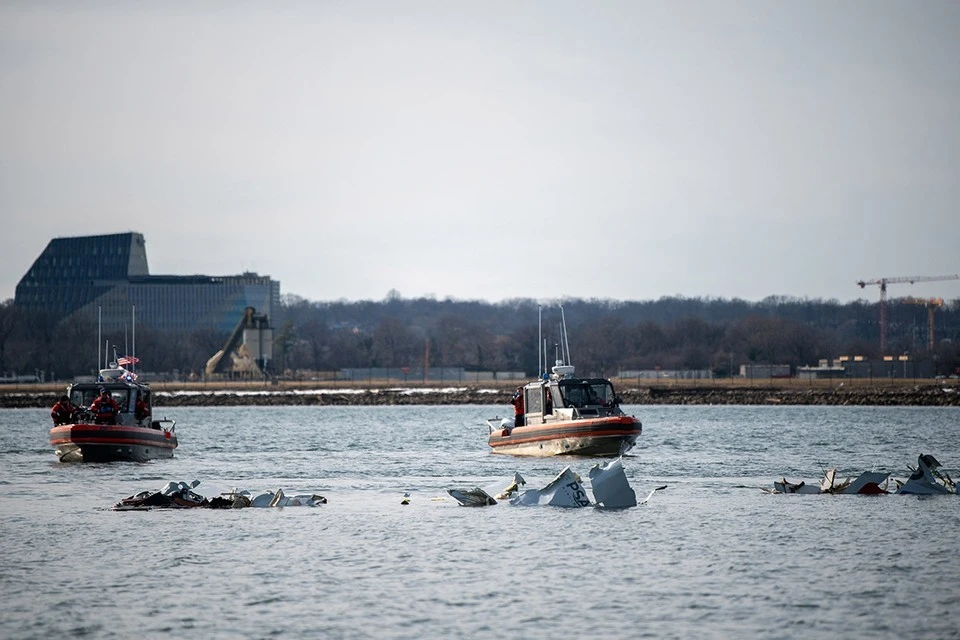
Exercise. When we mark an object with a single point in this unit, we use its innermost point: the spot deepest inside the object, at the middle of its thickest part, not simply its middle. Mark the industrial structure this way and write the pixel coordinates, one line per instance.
(103, 277)
(932, 304)
(248, 351)
(883, 282)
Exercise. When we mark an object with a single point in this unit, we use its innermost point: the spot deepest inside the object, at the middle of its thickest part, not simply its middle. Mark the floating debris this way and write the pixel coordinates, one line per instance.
(180, 495)
(924, 480)
(609, 484)
(475, 497)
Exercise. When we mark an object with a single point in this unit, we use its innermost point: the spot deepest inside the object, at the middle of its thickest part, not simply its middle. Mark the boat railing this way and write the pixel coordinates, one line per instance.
(162, 422)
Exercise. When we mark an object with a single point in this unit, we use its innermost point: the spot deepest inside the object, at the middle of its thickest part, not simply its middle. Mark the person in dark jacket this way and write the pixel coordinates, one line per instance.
(63, 412)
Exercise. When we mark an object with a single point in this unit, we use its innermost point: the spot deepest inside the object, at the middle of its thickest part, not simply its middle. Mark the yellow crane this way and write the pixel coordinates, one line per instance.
(883, 282)
(932, 304)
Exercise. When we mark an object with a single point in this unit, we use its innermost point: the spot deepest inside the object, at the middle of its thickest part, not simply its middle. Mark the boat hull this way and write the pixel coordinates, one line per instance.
(108, 443)
(610, 436)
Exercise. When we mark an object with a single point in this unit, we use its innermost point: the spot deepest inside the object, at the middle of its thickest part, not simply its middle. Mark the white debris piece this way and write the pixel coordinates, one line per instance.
(926, 479)
(563, 491)
(610, 486)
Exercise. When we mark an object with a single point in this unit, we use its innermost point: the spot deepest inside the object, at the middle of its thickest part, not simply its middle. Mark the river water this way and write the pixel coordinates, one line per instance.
(711, 556)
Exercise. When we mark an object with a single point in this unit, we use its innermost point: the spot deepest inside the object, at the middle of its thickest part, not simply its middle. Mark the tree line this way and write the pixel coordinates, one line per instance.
(605, 336)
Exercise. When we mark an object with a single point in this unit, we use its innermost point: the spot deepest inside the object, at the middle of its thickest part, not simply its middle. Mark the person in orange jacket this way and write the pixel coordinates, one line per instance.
(105, 408)
(517, 403)
(142, 410)
(63, 411)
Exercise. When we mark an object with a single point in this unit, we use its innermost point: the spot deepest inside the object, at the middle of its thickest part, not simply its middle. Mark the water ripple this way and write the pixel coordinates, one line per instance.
(712, 556)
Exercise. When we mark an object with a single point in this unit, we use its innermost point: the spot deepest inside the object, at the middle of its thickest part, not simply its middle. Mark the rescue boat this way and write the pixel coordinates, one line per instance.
(127, 438)
(562, 414)
(565, 415)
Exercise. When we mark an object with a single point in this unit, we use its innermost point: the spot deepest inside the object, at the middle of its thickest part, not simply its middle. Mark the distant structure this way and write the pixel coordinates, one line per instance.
(247, 352)
(883, 282)
(754, 371)
(932, 304)
(79, 276)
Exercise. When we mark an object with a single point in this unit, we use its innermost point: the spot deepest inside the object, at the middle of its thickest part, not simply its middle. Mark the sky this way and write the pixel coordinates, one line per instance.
(492, 150)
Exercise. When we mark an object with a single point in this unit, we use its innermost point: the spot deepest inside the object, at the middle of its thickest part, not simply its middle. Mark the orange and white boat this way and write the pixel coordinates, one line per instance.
(565, 415)
(128, 437)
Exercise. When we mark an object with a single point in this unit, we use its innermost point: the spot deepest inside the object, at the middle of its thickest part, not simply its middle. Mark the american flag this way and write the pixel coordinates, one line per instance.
(125, 360)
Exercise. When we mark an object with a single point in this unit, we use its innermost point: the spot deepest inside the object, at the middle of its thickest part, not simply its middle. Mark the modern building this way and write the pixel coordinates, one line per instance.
(107, 277)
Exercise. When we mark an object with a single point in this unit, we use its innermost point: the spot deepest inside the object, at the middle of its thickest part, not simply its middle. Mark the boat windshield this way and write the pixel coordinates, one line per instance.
(584, 393)
(85, 397)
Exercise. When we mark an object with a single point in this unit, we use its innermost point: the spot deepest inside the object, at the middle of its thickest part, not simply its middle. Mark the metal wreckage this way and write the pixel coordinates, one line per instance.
(180, 495)
(608, 483)
(925, 480)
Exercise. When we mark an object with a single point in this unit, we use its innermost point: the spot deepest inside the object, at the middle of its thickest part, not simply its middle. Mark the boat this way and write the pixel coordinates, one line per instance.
(128, 438)
(565, 415)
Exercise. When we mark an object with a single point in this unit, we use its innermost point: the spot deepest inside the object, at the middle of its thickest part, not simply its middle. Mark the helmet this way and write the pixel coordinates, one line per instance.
(64, 399)
(103, 390)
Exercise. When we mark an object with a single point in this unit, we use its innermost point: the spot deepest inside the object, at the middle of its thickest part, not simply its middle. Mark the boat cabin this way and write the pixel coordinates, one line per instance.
(561, 396)
(124, 391)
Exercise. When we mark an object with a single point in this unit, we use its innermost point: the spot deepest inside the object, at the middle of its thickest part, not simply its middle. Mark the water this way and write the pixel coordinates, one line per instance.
(711, 556)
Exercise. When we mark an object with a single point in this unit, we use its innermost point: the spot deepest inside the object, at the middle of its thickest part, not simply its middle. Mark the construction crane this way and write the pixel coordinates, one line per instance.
(932, 304)
(883, 282)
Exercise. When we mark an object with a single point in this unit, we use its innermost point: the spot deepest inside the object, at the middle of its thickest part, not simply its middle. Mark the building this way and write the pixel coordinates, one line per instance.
(824, 370)
(889, 367)
(107, 277)
(756, 371)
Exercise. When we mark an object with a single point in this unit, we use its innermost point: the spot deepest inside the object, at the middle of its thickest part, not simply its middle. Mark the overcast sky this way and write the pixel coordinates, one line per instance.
(492, 150)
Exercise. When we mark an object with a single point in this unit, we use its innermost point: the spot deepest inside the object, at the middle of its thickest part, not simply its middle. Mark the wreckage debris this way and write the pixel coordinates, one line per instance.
(609, 485)
(180, 495)
(926, 479)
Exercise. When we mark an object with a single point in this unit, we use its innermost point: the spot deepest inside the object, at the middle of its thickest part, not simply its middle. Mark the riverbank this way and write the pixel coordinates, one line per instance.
(926, 393)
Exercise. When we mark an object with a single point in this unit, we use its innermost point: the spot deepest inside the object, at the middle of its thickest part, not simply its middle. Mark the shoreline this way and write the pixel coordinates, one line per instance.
(170, 395)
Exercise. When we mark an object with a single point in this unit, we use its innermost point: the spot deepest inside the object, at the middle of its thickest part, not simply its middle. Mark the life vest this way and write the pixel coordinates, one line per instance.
(105, 407)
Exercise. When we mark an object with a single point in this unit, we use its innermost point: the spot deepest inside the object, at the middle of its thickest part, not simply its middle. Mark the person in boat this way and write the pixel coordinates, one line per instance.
(63, 411)
(105, 408)
(142, 410)
(517, 403)
(548, 402)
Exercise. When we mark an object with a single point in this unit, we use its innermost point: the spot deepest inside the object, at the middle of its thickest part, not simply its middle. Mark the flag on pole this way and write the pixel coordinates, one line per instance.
(125, 360)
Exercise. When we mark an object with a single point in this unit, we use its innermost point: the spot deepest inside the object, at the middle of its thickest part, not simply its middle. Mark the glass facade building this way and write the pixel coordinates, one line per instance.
(108, 276)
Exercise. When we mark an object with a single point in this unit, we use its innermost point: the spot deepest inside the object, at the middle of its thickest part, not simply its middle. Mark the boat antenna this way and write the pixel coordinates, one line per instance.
(539, 341)
(566, 341)
(99, 336)
(133, 330)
